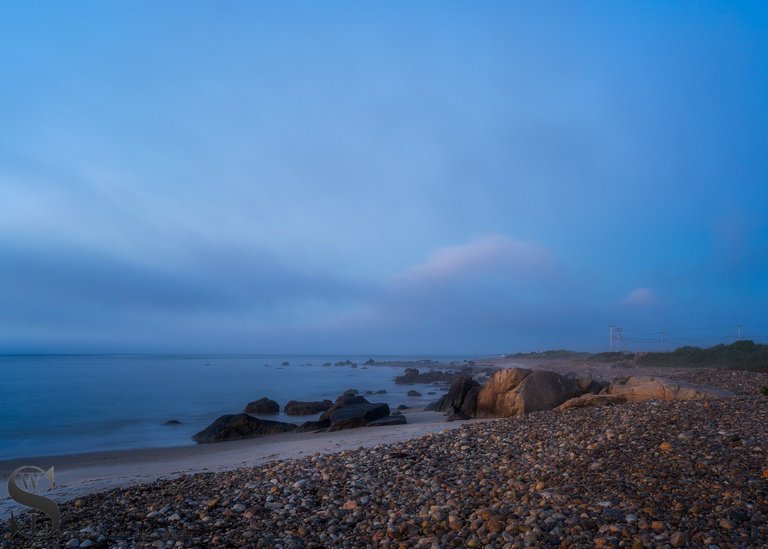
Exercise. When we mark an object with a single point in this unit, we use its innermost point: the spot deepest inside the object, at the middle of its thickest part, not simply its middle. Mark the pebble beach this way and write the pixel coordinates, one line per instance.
(643, 474)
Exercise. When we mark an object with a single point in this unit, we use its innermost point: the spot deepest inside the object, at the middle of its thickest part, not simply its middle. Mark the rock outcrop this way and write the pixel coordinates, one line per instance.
(262, 406)
(239, 426)
(462, 396)
(299, 408)
(592, 400)
(662, 388)
(517, 391)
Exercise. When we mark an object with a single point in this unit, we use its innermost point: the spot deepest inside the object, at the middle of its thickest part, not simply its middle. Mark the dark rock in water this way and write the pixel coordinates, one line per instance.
(413, 393)
(239, 426)
(402, 407)
(394, 419)
(172, 422)
(413, 375)
(431, 393)
(299, 408)
(381, 392)
(326, 364)
(286, 363)
(458, 415)
(456, 397)
(350, 392)
(353, 366)
(345, 363)
(313, 426)
(262, 406)
(345, 399)
(369, 362)
(357, 415)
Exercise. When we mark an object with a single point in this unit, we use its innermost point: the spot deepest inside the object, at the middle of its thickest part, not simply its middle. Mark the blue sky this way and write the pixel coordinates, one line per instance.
(400, 177)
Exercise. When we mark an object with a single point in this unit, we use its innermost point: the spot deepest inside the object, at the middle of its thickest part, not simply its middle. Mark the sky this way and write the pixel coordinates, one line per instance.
(384, 178)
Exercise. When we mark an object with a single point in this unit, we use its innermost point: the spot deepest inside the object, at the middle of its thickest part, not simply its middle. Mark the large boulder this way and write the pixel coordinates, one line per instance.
(262, 406)
(239, 426)
(457, 396)
(345, 399)
(357, 415)
(299, 408)
(517, 391)
(663, 388)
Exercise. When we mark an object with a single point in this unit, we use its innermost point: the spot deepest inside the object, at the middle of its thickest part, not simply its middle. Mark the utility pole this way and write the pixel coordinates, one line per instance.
(610, 337)
(618, 340)
(738, 332)
(663, 342)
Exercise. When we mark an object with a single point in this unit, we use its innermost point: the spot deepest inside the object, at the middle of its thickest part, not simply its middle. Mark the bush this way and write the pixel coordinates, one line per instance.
(764, 390)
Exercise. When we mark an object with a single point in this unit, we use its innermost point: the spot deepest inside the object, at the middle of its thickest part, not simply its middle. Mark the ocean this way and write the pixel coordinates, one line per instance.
(63, 404)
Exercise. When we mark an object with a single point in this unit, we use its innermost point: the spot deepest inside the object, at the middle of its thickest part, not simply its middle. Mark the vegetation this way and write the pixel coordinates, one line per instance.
(764, 390)
(745, 355)
(742, 355)
(553, 354)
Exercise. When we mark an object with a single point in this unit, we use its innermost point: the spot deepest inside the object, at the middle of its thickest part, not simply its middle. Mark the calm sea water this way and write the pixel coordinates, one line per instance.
(77, 403)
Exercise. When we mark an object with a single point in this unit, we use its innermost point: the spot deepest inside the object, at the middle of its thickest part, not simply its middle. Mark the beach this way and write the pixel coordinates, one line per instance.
(87, 473)
(642, 474)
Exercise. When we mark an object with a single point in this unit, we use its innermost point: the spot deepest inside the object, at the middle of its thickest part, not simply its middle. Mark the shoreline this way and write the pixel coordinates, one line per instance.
(87, 473)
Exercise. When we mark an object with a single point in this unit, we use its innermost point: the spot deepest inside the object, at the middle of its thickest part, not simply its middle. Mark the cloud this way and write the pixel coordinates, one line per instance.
(488, 253)
(639, 297)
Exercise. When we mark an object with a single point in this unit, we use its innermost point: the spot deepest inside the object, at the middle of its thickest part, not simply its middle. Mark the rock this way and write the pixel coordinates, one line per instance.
(677, 539)
(457, 396)
(395, 419)
(239, 426)
(286, 363)
(413, 375)
(592, 400)
(311, 426)
(404, 407)
(458, 415)
(369, 362)
(345, 399)
(357, 415)
(172, 422)
(413, 393)
(300, 408)
(728, 524)
(262, 406)
(517, 391)
(661, 388)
